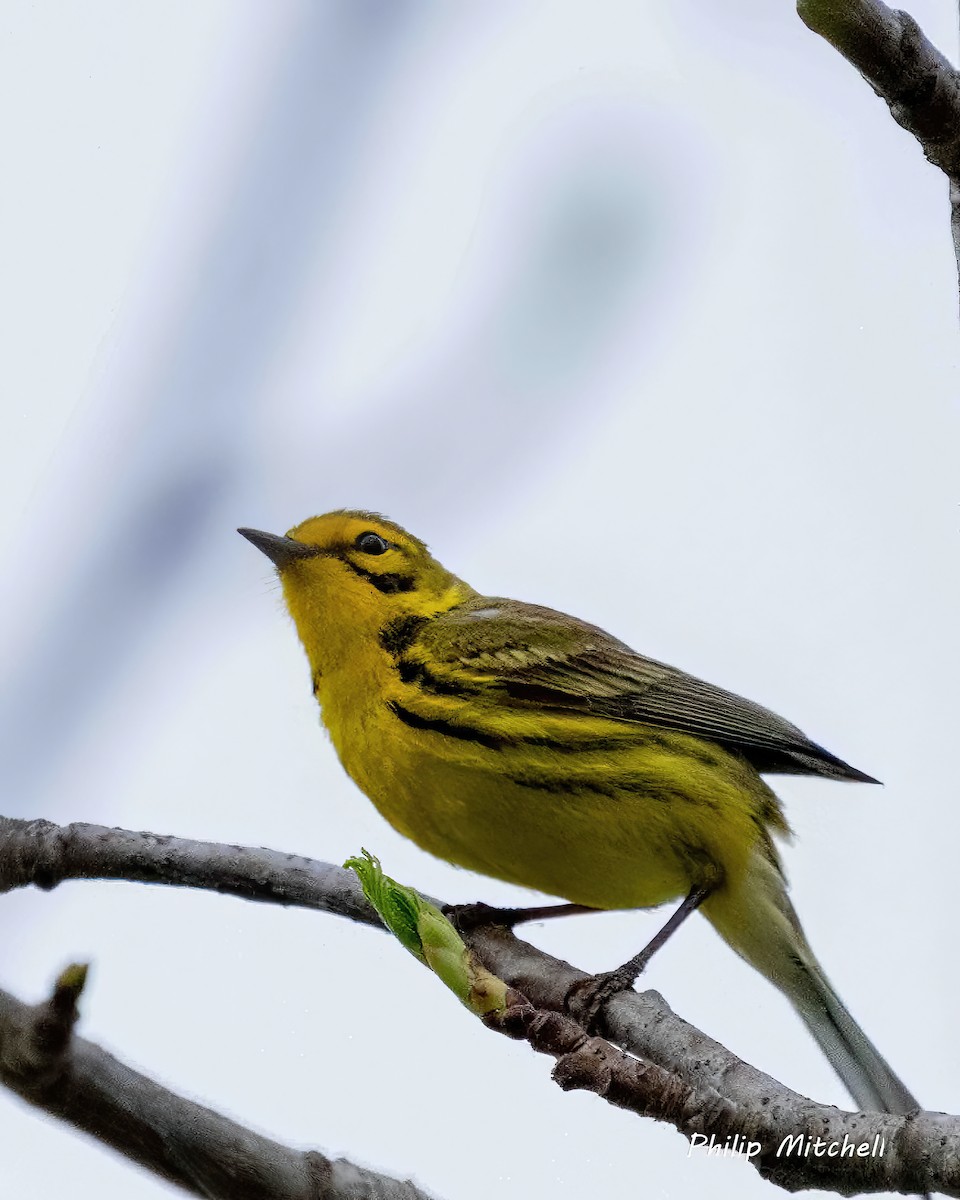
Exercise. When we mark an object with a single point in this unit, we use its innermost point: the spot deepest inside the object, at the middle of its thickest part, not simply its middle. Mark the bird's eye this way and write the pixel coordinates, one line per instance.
(370, 543)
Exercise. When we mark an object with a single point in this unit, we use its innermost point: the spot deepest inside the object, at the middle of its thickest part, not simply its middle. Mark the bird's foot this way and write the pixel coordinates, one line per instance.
(586, 998)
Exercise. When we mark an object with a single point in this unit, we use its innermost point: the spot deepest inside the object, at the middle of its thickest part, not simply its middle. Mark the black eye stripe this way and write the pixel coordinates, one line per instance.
(387, 582)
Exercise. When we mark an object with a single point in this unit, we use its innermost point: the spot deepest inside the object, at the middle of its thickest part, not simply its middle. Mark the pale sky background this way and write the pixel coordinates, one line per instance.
(643, 311)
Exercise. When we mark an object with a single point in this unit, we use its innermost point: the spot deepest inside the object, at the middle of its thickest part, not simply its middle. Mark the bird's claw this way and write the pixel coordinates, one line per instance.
(586, 998)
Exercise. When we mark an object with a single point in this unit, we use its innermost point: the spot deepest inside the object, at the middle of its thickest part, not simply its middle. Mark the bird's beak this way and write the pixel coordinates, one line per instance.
(280, 550)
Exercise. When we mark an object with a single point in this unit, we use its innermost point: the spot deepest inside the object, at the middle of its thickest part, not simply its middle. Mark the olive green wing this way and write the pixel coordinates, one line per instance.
(522, 656)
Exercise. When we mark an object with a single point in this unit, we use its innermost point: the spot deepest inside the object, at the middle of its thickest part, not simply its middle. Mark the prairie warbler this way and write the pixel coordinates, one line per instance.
(530, 746)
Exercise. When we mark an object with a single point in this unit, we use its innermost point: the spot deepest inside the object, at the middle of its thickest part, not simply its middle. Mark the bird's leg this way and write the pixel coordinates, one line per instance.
(470, 916)
(586, 997)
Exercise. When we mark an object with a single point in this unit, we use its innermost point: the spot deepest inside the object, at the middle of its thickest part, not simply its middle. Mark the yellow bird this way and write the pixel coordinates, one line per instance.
(528, 745)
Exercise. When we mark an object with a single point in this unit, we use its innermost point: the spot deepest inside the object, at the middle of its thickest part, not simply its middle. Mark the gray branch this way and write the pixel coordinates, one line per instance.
(207, 1154)
(920, 86)
(719, 1094)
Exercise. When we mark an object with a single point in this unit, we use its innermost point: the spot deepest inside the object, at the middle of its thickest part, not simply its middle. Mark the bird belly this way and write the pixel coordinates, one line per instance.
(629, 829)
(574, 846)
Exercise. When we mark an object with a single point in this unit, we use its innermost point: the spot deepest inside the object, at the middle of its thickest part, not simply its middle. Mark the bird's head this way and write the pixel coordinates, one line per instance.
(347, 575)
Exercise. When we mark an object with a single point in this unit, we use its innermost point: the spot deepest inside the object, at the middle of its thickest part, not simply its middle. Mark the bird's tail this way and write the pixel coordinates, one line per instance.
(759, 922)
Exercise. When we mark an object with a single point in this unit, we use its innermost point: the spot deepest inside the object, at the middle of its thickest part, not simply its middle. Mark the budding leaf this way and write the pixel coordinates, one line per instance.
(398, 906)
(423, 930)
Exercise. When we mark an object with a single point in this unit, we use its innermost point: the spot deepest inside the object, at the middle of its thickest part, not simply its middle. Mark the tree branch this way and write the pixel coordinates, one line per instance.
(921, 87)
(892, 53)
(204, 1152)
(44, 854)
(707, 1089)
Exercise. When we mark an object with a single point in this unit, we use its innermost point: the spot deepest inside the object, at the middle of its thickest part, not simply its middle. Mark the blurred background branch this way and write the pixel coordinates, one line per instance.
(153, 497)
(696, 1085)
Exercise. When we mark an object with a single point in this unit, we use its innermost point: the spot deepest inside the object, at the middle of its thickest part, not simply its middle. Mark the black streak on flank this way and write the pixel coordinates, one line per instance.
(447, 728)
(389, 582)
(316, 681)
(566, 785)
(614, 788)
(495, 741)
(399, 634)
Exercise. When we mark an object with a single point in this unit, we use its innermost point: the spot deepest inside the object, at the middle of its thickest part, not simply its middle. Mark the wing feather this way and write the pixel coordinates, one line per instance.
(521, 656)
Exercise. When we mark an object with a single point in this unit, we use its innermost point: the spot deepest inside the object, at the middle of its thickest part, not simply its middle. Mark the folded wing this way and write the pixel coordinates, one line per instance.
(524, 656)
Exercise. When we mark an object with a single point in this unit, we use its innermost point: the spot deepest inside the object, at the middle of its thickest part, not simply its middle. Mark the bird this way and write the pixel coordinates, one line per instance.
(530, 746)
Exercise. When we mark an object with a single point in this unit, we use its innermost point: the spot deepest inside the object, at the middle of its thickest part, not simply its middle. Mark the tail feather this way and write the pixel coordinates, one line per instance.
(759, 922)
(866, 1073)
